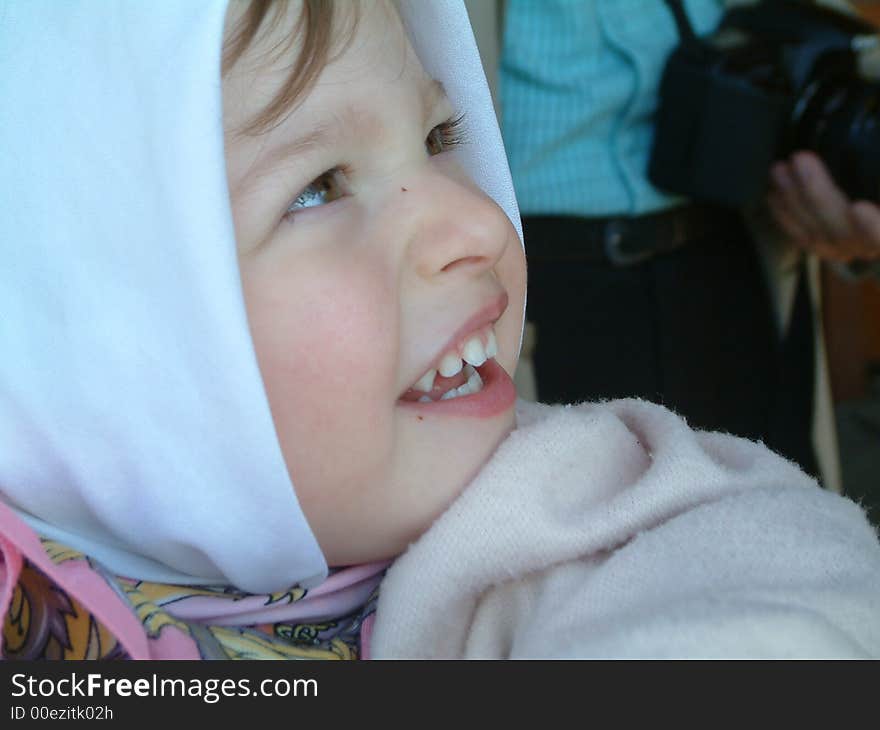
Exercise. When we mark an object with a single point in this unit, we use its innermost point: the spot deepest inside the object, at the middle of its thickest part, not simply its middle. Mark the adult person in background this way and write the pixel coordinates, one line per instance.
(709, 318)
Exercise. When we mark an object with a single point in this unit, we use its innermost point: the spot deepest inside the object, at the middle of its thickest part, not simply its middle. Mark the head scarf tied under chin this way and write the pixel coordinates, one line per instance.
(133, 421)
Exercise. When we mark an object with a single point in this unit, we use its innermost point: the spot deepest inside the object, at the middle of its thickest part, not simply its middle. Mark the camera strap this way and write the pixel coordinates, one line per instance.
(685, 29)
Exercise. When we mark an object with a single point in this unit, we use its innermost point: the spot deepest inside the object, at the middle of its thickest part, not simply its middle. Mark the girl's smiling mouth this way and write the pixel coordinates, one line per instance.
(466, 379)
(455, 375)
(481, 392)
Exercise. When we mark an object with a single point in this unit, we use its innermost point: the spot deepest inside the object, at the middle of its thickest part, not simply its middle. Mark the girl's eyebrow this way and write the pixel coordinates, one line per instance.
(329, 131)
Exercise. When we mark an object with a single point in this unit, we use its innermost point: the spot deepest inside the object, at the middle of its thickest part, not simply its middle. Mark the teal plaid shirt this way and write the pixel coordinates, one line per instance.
(578, 88)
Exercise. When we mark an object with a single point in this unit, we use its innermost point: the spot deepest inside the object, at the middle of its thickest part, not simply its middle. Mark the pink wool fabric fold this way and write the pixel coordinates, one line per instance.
(614, 530)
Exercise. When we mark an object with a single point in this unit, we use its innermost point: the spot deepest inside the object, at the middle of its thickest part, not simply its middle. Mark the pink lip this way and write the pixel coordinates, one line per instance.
(497, 396)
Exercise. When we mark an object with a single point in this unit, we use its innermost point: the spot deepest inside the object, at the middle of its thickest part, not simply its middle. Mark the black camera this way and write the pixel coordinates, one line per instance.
(774, 77)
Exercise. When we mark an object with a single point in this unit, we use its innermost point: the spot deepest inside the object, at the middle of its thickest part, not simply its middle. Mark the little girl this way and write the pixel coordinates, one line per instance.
(261, 301)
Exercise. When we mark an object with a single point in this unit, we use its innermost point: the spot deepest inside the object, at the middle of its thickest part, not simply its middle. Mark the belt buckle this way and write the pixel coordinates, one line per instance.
(614, 235)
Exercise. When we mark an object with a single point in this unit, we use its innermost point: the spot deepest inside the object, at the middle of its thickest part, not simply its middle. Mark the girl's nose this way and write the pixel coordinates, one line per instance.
(456, 229)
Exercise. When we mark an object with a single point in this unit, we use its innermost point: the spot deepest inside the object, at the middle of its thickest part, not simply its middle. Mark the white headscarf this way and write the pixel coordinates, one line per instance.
(134, 425)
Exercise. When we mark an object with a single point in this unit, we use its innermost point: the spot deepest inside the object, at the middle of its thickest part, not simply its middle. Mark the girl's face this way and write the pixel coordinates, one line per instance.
(368, 260)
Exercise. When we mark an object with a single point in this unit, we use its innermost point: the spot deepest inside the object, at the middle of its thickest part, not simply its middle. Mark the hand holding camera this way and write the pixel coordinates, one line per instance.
(775, 101)
(818, 216)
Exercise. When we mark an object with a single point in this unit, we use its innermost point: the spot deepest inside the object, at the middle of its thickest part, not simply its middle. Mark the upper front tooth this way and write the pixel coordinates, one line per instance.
(426, 384)
(474, 352)
(450, 365)
(491, 345)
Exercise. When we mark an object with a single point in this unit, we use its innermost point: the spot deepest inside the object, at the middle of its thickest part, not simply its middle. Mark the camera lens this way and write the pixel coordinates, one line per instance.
(837, 115)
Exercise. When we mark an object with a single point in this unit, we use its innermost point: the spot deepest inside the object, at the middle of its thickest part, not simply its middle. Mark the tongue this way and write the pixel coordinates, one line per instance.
(441, 386)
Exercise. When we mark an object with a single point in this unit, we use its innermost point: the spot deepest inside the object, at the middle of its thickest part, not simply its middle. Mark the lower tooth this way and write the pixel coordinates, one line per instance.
(425, 399)
(474, 384)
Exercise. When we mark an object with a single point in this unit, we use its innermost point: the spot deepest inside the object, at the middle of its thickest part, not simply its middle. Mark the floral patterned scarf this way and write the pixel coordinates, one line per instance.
(57, 603)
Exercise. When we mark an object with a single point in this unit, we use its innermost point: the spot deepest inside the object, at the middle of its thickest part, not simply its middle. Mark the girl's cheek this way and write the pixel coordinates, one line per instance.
(330, 367)
(331, 334)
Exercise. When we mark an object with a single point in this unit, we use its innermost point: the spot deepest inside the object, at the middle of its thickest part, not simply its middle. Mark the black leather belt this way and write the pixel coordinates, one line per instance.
(621, 241)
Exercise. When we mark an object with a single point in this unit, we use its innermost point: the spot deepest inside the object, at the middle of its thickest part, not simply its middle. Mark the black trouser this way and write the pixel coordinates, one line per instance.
(692, 329)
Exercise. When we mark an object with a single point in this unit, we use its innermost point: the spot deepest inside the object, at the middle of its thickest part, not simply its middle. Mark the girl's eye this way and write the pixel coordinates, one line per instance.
(332, 185)
(325, 188)
(445, 135)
